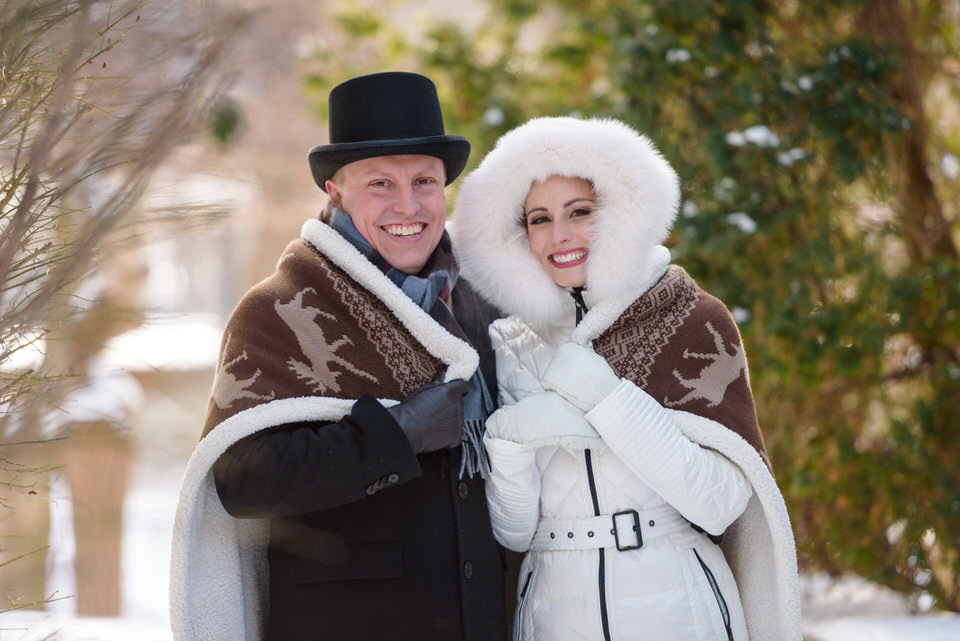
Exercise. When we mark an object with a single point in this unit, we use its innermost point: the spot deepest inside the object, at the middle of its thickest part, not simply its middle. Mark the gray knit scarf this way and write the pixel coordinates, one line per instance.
(430, 289)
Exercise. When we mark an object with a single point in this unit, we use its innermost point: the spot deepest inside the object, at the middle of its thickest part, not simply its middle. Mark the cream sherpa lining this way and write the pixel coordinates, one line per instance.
(218, 575)
(637, 192)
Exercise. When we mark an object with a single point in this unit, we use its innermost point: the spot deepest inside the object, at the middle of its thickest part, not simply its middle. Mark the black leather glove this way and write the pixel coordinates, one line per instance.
(432, 416)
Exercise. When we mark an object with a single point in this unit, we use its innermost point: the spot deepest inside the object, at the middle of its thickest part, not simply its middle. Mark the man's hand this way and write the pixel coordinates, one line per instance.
(432, 416)
(580, 375)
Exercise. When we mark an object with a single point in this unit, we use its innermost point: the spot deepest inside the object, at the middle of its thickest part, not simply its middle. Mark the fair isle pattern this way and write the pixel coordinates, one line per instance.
(647, 325)
(403, 358)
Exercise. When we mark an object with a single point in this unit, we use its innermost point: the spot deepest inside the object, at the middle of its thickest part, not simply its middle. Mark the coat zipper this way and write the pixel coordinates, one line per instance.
(712, 580)
(604, 620)
(522, 601)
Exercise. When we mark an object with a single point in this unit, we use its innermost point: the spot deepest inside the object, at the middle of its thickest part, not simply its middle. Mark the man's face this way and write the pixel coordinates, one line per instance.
(396, 203)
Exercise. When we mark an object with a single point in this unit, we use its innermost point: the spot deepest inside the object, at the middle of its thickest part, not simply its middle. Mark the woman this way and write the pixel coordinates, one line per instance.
(626, 460)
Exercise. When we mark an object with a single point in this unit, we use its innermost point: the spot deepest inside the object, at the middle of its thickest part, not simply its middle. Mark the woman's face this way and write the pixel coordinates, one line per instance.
(559, 219)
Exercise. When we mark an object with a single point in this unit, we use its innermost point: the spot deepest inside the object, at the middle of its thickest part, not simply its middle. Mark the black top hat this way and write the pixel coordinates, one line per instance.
(386, 114)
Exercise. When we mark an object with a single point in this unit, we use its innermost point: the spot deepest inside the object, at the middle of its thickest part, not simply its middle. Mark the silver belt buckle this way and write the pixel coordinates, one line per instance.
(628, 516)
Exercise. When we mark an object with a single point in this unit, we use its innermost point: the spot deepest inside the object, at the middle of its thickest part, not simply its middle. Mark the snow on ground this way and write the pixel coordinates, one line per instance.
(851, 609)
(926, 627)
(148, 523)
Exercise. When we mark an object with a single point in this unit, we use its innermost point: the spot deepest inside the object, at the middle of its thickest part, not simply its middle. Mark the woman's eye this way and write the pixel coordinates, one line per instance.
(581, 211)
(537, 220)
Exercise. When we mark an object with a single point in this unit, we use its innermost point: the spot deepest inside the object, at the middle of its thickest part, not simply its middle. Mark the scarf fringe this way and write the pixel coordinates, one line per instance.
(477, 406)
(473, 455)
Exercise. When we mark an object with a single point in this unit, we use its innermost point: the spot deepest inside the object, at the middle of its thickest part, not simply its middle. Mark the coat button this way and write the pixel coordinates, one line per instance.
(467, 570)
(462, 490)
(393, 478)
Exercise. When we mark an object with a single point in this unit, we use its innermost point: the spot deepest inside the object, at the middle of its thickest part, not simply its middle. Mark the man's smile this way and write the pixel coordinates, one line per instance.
(404, 231)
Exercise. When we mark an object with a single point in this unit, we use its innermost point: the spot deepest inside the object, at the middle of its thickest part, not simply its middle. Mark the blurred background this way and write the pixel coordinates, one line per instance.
(153, 167)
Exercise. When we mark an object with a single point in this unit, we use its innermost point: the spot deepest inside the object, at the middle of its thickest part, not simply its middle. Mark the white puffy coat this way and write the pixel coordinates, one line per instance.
(672, 467)
(674, 587)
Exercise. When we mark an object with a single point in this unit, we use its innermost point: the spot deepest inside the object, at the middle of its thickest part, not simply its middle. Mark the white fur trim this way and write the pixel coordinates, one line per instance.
(637, 191)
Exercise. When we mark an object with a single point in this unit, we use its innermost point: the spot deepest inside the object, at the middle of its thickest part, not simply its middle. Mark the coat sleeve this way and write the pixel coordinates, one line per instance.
(704, 486)
(311, 466)
(513, 492)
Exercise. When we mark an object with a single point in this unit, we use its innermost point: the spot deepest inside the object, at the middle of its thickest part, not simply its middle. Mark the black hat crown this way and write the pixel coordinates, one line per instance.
(386, 114)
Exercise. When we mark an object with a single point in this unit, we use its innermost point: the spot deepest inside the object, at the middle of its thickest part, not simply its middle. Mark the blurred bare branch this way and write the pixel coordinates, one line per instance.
(94, 98)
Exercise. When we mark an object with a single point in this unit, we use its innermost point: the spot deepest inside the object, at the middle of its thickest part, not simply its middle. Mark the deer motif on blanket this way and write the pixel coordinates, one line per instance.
(228, 388)
(314, 344)
(714, 379)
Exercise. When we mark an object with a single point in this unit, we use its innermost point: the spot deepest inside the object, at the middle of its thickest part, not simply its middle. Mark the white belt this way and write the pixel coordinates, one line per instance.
(626, 530)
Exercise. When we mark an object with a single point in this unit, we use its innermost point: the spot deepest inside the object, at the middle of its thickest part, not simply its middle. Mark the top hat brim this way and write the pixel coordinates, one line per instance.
(325, 160)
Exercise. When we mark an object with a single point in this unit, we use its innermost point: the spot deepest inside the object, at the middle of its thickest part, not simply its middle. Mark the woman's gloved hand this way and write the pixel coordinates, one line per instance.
(432, 416)
(542, 419)
(580, 375)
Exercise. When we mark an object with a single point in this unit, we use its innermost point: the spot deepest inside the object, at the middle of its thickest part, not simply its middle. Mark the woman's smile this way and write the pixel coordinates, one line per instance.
(569, 258)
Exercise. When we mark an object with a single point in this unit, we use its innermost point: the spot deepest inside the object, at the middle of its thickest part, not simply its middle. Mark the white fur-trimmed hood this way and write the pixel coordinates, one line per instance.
(637, 190)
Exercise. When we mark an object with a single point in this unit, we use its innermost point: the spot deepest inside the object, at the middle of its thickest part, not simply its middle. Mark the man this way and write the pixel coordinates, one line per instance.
(337, 492)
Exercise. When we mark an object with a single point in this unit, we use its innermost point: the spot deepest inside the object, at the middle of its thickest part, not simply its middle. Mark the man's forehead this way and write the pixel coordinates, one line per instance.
(405, 163)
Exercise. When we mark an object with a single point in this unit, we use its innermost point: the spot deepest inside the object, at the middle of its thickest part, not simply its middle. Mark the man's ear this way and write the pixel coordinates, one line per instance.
(333, 191)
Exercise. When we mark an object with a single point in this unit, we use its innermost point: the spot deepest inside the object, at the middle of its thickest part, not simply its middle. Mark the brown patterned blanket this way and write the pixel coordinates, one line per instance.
(682, 346)
(312, 330)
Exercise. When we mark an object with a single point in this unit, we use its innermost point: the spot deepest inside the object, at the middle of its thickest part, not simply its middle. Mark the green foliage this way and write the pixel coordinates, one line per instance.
(793, 127)
(358, 24)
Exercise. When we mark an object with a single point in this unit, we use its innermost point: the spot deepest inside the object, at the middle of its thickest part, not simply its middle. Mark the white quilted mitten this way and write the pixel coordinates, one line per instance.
(543, 419)
(522, 355)
(580, 375)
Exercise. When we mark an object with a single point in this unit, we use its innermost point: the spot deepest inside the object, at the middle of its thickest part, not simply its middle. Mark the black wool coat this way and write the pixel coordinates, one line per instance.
(409, 556)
